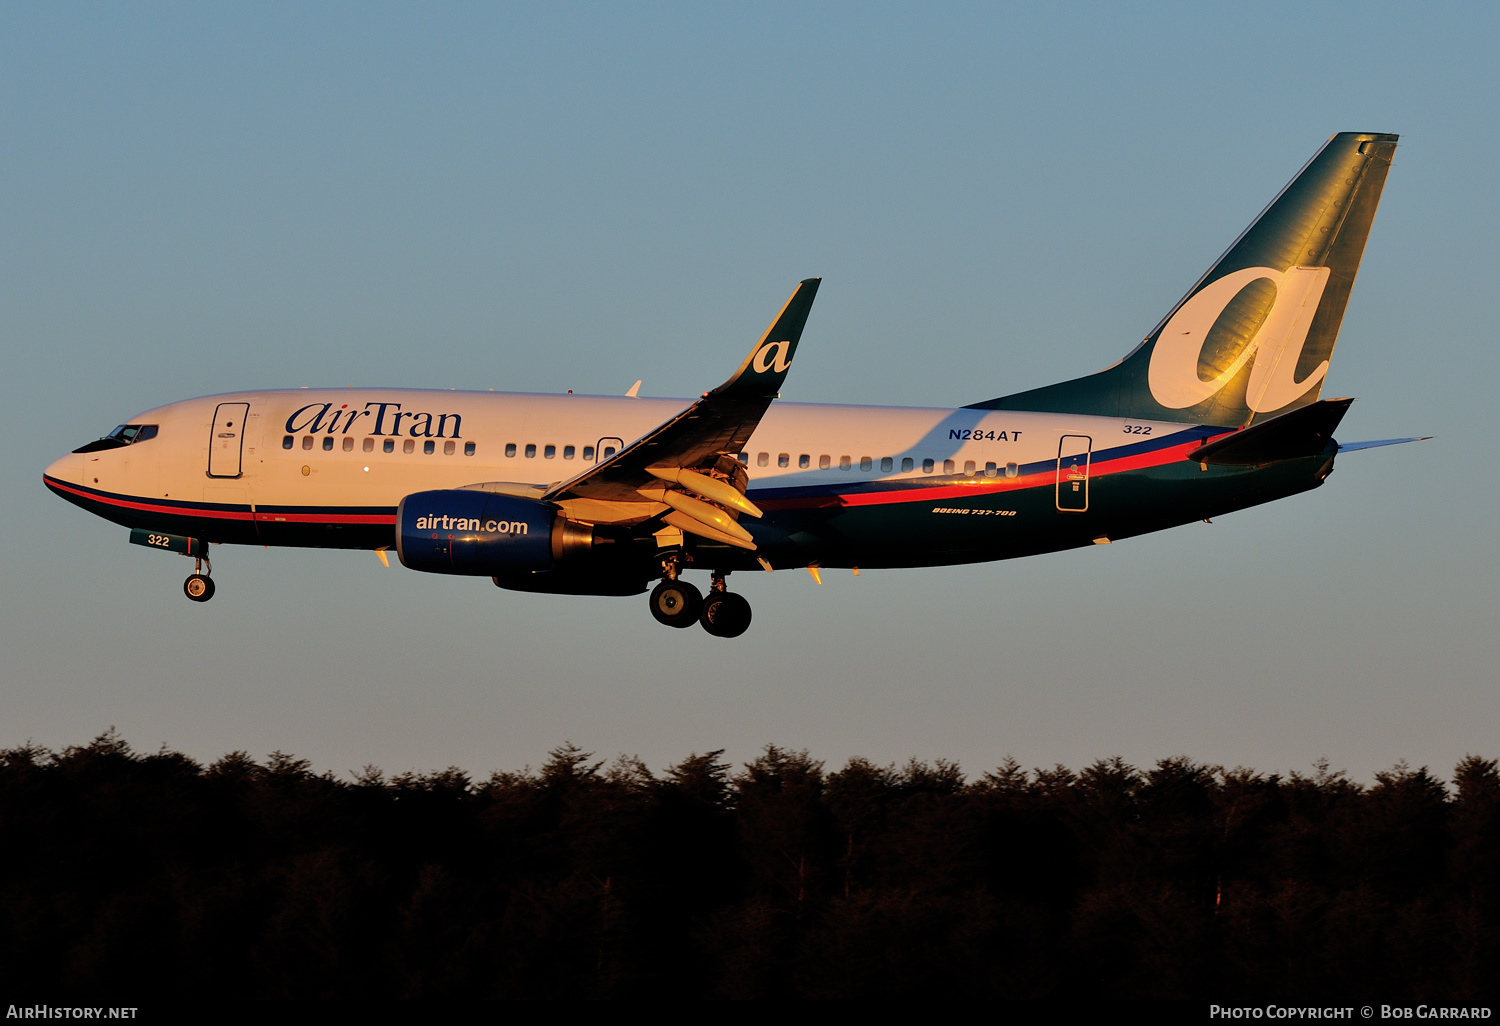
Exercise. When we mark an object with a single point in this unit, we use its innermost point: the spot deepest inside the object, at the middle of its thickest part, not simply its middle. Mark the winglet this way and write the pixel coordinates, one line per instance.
(763, 371)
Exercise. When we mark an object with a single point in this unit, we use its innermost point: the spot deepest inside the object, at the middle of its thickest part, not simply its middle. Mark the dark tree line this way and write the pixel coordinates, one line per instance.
(123, 872)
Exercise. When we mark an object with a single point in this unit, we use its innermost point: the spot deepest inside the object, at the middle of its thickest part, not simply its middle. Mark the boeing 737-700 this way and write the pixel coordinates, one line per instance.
(1217, 409)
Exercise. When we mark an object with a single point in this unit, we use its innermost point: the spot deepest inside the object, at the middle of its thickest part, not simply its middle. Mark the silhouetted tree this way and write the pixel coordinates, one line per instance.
(150, 874)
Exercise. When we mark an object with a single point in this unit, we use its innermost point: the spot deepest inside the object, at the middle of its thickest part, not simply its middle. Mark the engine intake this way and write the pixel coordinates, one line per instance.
(485, 534)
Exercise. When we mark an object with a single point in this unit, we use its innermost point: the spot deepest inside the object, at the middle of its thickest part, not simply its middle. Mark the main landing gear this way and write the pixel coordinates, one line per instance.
(676, 603)
(725, 614)
(199, 586)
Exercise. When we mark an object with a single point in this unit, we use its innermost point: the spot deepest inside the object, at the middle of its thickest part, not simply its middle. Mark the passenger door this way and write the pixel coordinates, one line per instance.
(227, 439)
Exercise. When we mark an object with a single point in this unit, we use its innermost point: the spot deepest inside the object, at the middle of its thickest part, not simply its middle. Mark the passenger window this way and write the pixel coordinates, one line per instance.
(865, 463)
(926, 466)
(468, 448)
(409, 446)
(369, 445)
(286, 443)
(531, 450)
(845, 463)
(307, 441)
(568, 452)
(804, 461)
(328, 443)
(783, 460)
(744, 458)
(763, 460)
(449, 448)
(588, 453)
(348, 444)
(429, 447)
(389, 445)
(1011, 470)
(824, 462)
(989, 470)
(510, 449)
(886, 463)
(609, 451)
(906, 464)
(549, 452)
(969, 468)
(948, 466)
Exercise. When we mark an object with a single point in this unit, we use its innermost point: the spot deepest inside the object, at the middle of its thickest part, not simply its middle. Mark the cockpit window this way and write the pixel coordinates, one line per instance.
(125, 434)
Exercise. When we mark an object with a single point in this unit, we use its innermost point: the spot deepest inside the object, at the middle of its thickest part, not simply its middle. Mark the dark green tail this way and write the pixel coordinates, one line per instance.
(1254, 336)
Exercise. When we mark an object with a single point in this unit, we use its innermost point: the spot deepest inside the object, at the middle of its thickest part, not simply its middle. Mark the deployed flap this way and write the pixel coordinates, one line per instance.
(716, 426)
(1307, 431)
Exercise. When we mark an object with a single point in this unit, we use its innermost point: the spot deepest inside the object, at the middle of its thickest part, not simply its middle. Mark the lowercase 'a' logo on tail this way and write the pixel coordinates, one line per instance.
(1275, 347)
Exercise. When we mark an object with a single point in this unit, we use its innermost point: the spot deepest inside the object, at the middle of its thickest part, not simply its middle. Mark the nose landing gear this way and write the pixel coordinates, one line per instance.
(199, 586)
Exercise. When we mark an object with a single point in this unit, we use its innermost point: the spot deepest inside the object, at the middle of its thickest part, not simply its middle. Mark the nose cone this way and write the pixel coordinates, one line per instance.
(68, 470)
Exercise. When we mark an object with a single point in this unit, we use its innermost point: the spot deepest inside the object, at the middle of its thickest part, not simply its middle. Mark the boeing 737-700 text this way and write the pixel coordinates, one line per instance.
(1218, 409)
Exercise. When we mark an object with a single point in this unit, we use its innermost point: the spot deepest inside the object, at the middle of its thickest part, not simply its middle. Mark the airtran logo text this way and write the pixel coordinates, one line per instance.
(437, 523)
(1276, 346)
(775, 356)
(375, 419)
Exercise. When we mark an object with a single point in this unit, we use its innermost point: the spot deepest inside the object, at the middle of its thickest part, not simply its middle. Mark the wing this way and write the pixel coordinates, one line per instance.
(689, 462)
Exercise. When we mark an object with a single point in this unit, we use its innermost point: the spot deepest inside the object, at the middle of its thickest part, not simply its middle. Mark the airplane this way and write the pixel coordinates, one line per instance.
(1217, 409)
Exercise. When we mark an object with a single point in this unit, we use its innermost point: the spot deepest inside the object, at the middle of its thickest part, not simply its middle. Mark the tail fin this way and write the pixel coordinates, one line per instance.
(1254, 336)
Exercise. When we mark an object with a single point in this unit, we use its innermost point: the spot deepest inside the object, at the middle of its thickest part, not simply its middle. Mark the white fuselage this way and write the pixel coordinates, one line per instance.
(337, 454)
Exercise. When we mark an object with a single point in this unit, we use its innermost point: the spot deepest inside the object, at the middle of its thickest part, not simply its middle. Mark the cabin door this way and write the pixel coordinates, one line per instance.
(1073, 453)
(226, 441)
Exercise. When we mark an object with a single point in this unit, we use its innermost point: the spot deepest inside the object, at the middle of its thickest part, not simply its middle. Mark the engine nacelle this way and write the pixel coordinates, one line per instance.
(484, 534)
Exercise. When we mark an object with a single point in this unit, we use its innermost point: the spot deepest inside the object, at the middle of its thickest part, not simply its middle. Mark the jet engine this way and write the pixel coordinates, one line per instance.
(485, 534)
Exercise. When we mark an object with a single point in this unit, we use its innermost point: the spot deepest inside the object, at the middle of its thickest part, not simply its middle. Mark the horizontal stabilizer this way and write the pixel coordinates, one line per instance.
(1307, 431)
(1352, 446)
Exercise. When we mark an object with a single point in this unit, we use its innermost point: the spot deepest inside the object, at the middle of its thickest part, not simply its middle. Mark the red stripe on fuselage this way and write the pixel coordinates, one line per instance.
(978, 487)
(105, 499)
(325, 518)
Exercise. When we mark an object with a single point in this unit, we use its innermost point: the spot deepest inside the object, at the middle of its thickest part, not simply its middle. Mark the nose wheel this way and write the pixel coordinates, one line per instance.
(199, 586)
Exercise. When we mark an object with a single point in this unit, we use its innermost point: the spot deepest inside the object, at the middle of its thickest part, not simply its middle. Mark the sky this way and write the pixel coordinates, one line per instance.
(201, 198)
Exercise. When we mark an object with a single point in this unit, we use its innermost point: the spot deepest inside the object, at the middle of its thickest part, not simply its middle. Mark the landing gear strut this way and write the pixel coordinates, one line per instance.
(199, 586)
